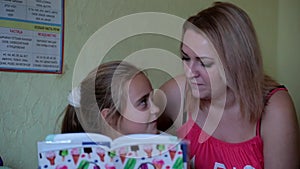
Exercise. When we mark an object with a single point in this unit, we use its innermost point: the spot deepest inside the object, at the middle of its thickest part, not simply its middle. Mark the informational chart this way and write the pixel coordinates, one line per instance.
(32, 35)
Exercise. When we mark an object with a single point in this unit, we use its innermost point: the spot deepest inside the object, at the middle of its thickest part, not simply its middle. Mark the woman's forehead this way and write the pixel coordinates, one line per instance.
(195, 44)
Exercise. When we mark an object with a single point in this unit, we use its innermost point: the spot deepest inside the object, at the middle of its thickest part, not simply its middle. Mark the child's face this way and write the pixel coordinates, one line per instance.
(139, 113)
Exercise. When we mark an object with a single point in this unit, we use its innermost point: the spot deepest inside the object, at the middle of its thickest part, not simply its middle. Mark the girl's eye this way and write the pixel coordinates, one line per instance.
(143, 103)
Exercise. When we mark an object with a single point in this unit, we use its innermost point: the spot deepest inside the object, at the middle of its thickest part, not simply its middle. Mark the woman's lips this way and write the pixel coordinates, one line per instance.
(197, 83)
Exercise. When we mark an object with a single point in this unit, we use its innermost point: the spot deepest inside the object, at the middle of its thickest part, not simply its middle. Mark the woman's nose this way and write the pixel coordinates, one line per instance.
(192, 70)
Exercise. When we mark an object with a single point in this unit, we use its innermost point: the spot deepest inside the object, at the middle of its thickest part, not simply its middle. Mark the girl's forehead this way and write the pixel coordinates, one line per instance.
(139, 83)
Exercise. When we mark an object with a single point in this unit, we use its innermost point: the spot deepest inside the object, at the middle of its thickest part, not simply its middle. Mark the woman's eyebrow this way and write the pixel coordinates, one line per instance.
(201, 57)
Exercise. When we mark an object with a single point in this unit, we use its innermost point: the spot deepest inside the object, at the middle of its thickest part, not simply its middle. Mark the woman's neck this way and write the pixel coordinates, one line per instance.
(211, 112)
(224, 101)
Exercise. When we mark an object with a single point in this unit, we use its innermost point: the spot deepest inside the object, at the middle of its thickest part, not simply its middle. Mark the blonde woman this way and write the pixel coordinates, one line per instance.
(234, 115)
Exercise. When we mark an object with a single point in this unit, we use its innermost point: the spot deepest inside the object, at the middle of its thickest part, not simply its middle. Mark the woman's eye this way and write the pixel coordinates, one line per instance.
(206, 64)
(184, 58)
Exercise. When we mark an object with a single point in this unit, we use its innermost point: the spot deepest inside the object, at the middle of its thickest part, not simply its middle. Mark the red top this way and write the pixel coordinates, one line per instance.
(217, 154)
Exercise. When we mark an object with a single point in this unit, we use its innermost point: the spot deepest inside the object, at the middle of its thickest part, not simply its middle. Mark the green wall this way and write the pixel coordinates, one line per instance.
(30, 102)
(288, 57)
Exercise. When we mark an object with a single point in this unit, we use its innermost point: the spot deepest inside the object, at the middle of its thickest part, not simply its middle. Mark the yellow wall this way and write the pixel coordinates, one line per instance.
(30, 103)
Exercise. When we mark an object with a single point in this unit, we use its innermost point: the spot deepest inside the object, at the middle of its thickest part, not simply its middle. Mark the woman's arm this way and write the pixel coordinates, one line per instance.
(280, 133)
(171, 117)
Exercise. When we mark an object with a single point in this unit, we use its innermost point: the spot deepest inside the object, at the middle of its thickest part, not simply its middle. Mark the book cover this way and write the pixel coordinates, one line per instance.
(96, 151)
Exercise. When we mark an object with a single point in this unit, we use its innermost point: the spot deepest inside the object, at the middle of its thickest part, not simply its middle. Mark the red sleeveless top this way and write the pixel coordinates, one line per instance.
(217, 154)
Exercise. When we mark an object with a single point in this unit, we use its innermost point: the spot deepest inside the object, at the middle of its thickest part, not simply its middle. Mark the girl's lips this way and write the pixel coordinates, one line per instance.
(154, 122)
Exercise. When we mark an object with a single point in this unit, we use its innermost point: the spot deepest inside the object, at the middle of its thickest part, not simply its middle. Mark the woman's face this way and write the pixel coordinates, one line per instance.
(139, 113)
(202, 66)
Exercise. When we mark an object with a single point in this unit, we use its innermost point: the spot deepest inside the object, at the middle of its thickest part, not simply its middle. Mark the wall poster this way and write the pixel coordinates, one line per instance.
(32, 35)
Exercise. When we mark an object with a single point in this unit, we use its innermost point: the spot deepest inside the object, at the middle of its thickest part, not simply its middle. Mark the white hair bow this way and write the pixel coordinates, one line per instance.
(74, 97)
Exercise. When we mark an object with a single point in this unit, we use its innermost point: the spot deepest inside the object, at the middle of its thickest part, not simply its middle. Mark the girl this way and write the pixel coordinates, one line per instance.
(114, 99)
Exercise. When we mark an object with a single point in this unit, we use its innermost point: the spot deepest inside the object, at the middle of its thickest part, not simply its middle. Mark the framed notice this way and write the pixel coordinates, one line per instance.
(32, 35)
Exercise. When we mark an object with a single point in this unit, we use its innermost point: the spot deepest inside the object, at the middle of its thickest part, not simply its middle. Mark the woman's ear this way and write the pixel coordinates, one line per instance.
(104, 112)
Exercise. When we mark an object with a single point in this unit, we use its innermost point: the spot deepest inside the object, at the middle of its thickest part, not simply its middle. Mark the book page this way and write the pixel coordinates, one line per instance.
(149, 151)
(78, 137)
(140, 151)
(144, 139)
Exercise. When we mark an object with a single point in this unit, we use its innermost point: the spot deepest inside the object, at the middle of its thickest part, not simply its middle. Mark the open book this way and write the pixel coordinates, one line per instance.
(95, 151)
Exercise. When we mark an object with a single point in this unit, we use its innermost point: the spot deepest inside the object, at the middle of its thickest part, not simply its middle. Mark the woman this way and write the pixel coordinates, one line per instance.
(234, 115)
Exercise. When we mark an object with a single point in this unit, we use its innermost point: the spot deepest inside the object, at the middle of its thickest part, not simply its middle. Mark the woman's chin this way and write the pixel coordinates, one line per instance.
(200, 94)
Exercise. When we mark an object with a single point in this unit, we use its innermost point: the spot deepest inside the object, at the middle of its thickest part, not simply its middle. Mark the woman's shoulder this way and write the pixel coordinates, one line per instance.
(174, 90)
(279, 128)
(278, 97)
(279, 114)
(279, 103)
(174, 83)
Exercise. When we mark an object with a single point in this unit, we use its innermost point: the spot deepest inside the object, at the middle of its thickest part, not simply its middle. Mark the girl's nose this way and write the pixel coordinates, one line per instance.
(153, 108)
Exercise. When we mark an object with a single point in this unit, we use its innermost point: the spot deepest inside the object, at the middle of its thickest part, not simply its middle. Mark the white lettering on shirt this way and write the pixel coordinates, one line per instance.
(222, 166)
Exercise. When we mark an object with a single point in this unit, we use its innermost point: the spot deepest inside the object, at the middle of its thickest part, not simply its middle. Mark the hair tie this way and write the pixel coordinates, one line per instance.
(74, 97)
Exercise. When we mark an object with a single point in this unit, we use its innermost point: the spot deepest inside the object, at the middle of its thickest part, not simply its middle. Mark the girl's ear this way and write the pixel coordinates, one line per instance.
(104, 112)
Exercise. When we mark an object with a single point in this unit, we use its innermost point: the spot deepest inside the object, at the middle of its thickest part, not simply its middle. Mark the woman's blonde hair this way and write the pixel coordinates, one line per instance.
(233, 36)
